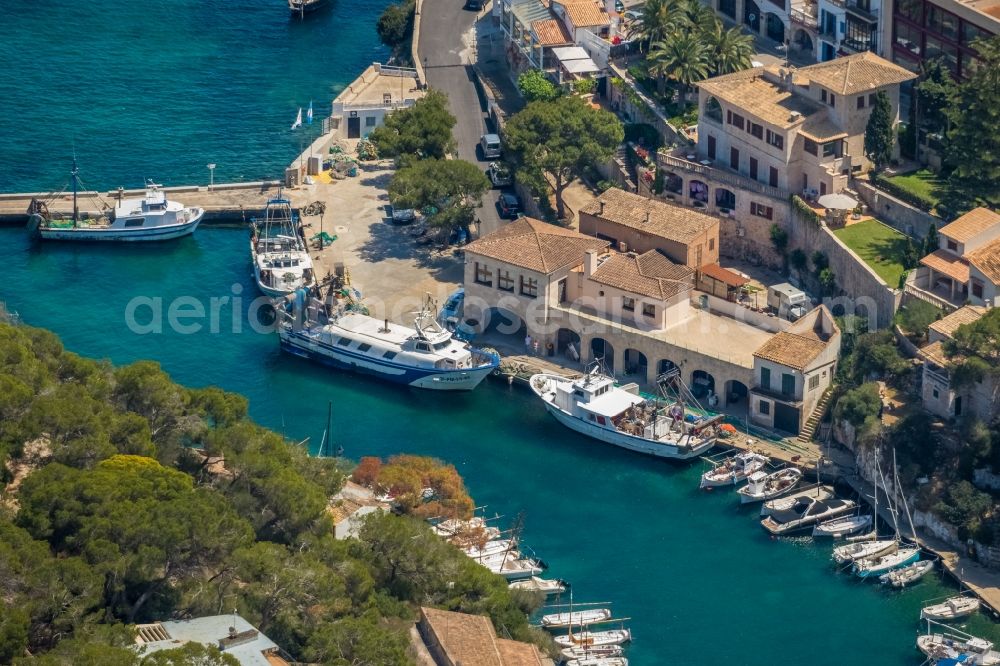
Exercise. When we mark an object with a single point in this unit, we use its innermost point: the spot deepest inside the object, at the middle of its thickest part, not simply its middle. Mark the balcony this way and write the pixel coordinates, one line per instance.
(867, 15)
(721, 176)
(805, 14)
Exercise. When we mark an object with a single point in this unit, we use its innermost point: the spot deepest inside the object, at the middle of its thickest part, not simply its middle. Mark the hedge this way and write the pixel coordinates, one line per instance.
(912, 198)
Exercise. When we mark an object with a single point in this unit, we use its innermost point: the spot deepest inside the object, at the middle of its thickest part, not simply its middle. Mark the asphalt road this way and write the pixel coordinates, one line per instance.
(446, 58)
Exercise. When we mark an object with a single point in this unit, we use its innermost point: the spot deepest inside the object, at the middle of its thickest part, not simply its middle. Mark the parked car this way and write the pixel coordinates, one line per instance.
(619, 6)
(490, 146)
(631, 15)
(509, 205)
(499, 174)
(400, 215)
(474, 5)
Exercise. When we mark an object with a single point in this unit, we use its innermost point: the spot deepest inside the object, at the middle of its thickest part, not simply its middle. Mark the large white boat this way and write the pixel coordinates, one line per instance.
(957, 648)
(545, 586)
(594, 638)
(281, 261)
(953, 608)
(590, 651)
(592, 405)
(577, 618)
(877, 566)
(907, 575)
(425, 356)
(151, 217)
(762, 486)
(787, 502)
(806, 512)
(843, 526)
(734, 470)
(864, 550)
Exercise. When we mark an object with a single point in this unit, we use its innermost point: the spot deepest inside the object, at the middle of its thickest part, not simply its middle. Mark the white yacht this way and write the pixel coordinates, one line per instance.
(592, 405)
(734, 470)
(953, 608)
(843, 526)
(281, 261)
(425, 356)
(577, 618)
(911, 573)
(864, 550)
(877, 566)
(806, 512)
(151, 217)
(594, 638)
(545, 586)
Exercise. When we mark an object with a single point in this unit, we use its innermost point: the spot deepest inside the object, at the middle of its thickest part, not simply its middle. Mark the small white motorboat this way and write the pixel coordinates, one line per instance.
(886, 563)
(864, 550)
(841, 527)
(787, 502)
(577, 618)
(733, 470)
(954, 608)
(958, 649)
(512, 568)
(907, 575)
(761, 486)
(499, 546)
(594, 638)
(598, 661)
(585, 651)
(544, 585)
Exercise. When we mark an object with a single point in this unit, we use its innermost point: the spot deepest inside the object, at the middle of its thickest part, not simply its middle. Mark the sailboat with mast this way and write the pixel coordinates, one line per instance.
(148, 218)
(902, 555)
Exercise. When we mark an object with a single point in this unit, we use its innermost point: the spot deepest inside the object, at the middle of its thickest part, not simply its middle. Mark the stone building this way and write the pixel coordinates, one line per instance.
(460, 639)
(938, 395)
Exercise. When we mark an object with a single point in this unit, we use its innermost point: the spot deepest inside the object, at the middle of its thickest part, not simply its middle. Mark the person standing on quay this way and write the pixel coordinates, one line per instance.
(527, 344)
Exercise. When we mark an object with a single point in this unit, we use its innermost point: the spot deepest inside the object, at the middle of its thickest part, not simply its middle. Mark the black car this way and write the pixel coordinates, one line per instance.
(508, 205)
(474, 5)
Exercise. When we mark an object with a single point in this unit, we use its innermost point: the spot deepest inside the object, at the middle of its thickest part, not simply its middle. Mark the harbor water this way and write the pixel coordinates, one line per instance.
(700, 579)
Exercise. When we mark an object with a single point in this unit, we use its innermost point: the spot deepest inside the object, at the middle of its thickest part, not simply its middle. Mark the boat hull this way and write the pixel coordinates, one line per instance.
(426, 378)
(121, 235)
(624, 441)
(878, 570)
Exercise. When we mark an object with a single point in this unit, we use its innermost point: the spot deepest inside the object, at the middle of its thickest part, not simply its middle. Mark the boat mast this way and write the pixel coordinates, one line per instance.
(76, 174)
(906, 507)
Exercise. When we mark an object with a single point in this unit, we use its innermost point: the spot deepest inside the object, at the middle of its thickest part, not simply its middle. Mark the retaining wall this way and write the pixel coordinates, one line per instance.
(895, 212)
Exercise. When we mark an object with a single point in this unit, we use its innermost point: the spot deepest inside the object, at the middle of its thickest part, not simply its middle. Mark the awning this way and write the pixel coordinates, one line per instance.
(571, 53)
(724, 275)
(947, 264)
(587, 66)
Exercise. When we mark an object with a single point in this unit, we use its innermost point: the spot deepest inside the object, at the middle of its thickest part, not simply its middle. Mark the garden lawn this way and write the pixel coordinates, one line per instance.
(922, 183)
(882, 247)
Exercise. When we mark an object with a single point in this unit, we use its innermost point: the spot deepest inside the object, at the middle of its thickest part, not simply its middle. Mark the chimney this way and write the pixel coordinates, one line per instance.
(647, 215)
(601, 212)
(589, 263)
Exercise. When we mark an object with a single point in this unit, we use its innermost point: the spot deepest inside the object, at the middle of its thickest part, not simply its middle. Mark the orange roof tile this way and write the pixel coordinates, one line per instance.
(934, 352)
(551, 32)
(987, 260)
(947, 326)
(654, 216)
(948, 264)
(792, 350)
(516, 653)
(724, 275)
(535, 245)
(466, 639)
(649, 274)
(970, 225)
(858, 73)
(585, 13)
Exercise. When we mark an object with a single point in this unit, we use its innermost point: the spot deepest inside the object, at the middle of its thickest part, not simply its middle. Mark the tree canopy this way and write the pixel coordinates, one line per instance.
(534, 86)
(560, 138)
(422, 130)
(880, 132)
(449, 190)
(395, 28)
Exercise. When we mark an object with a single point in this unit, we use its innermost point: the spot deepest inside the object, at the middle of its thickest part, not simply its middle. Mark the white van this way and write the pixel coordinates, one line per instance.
(490, 144)
(789, 302)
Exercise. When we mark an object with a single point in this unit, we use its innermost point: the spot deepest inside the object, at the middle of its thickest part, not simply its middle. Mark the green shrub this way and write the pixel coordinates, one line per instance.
(643, 134)
(916, 316)
(913, 198)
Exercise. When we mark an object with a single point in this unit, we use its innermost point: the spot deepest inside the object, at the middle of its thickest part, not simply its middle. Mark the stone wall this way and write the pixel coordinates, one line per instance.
(895, 212)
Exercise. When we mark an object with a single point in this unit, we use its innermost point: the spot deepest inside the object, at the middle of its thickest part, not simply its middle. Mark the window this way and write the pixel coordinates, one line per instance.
(648, 310)
(753, 168)
(711, 147)
(713, 110)
(952, 245)
(822, 95)
(484, 275)
(775, 139)
(871, 99)
(942, 22)
(423, 346)
(773, 177)
(529, 287)
(765, 377)
(911, 9)
(504, 281)
(977, 289)
(734, 158)
(935, 394)
(370, 121)
(971, 32)
(389, 354)
(833, 100)
(764, 407)
(364, 346)
(735, 119)
(861, 101)
(811, 147)
(830, 149)
(760, 210)
(757, 130)
(907, 37)
(628, 304)
(135, 222)
(813, 382)
(711, 244)
(344, 342)
(787, 384)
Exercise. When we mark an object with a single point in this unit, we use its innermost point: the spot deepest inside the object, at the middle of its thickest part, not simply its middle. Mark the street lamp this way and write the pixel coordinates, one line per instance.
(211, 176)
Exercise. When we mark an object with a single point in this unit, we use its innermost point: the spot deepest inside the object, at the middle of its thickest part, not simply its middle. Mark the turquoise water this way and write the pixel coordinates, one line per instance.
(160, 89)
(698, 576)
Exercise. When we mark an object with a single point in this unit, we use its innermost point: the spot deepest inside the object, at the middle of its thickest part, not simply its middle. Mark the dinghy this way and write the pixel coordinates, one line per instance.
(908, 574)
(886, 563)
(761, 486)
(864, 550)
(536, 584)
(594, 638)
(733, 470)
(578, 618)
(841, 527)
(954, 608)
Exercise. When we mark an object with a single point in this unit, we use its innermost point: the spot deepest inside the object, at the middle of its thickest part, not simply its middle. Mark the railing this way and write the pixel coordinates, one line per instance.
(803, 17)
(924, 295)
(937, 376)
(720, 176)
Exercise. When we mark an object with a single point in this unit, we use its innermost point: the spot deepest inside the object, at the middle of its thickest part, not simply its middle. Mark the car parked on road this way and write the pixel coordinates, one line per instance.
(400, 215)
(508, 205)
(489, 145)
(631, 15)
(499, 174)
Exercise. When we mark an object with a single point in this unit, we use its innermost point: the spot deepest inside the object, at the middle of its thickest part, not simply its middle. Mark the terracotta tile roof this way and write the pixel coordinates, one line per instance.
(792, 350)
(934, 352)
(466, 639)
(650, 274)
(947, 263)
(970, 225)
(551, 32)
(535, 245)
(761, 96)
(856, 74)
(515, 653)
(820, 128)
(343, 509)
(987, 260)
(717, 272)
(585, 13)
(667, 220)
(947, 326)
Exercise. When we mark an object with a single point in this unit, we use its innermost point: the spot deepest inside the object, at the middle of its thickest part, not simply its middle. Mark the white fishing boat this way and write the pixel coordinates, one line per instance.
(302, 7)
(907, 575)
(806, 512)
(786, 502)
(513, 566)
(762, 486)
(576, 618)
(425, 356)
(954, 608)
(543, 585)
(598, 661)
(842, 526)
(281, 261)
(733, 470)
(594, 638)
(593, 406)
(885, 563)
(957, 648)
(864, 550)
(151, 217)
(584, 651)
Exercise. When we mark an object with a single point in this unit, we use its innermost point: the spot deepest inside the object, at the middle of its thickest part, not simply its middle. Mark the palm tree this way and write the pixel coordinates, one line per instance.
(656, 20)
(701, 17)
(731, 50)
(683, 57)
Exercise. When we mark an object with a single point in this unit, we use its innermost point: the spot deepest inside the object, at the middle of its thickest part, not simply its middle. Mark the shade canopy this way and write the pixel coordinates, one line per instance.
(837, 202)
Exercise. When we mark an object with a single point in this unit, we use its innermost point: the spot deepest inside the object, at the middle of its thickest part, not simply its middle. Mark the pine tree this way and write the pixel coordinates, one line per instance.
(879, 133)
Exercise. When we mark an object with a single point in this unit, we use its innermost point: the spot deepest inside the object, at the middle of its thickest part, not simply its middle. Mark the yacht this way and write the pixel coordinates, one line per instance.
(864, 550)
(545, 586)
(806, 512)
(842, 526)
(954, 608)
(281, 261)
(911, 573)
(594, 406)
(957, 648)
(734, 470)
(577, 618)
(594, 638)
(426, 356)
(151, 217)
(877, 566)
(302, 7)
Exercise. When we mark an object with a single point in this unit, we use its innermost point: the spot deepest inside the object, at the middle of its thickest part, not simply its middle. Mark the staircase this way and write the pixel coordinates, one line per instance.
(807, 432)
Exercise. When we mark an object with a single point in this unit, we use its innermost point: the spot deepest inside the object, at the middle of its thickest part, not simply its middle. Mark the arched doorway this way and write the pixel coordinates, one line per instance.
(803, 42)
(703, 387)
(673, 183)
(698, 191)
(603, 351)
(775, 29)
(713, 110)
(751, 16)
(664, 365)
(636, 364)
(568, 343)
(724, 198)
(736, 393)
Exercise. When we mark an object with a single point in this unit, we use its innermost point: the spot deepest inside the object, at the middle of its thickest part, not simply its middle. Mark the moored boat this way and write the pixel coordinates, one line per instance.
(281, 261)
(877, 566)
(806, 512)
(907, 575)
(593, 406)
(490, 548)
(842, 526)
(472, 530)
(789, 500)
(864, 550)
(302, 7)
(577, 618)
(543, 585)
(584, 651)
(598, 661)
(762, 486)
(953, 608)
(956, 648)
(594, 638)
(733, 470)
